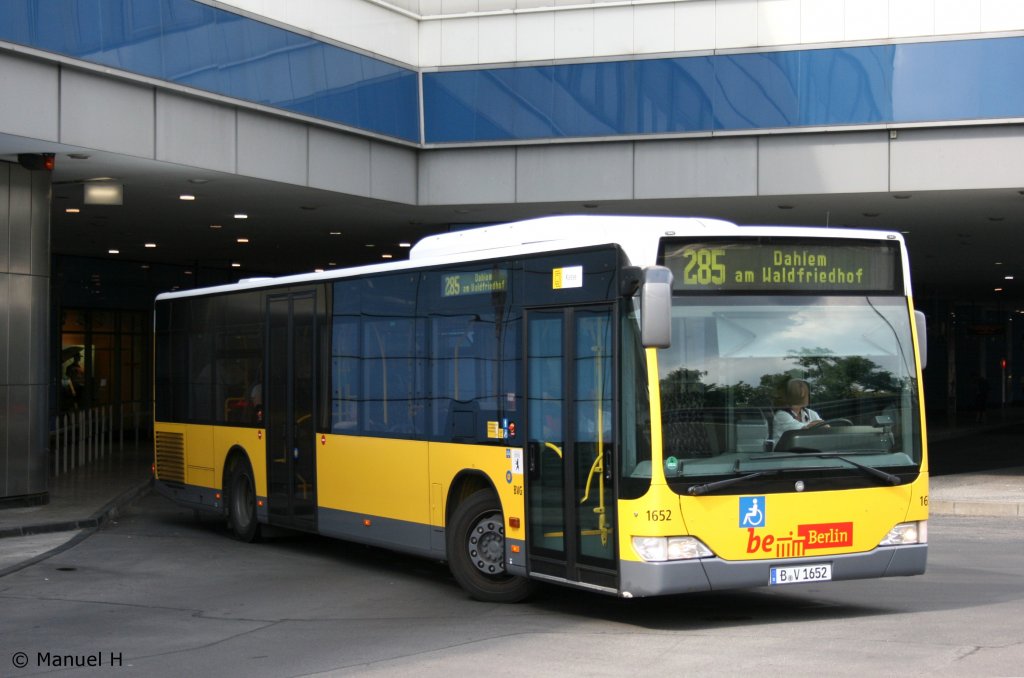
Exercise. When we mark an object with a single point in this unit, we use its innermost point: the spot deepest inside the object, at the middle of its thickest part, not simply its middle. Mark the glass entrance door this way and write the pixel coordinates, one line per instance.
(571, 443)
(289, 397)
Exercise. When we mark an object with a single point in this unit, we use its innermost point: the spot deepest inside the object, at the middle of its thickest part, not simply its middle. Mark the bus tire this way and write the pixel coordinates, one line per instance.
(241, 502)
(476, 551)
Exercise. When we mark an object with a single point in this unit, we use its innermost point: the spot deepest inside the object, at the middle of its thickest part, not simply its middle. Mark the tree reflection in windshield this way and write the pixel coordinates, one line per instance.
(725, 376)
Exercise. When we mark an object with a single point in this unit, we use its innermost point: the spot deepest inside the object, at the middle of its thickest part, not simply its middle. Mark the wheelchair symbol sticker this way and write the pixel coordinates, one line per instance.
(752, 512)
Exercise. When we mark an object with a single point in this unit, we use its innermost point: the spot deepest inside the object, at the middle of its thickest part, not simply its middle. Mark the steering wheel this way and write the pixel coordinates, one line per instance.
(837, 422)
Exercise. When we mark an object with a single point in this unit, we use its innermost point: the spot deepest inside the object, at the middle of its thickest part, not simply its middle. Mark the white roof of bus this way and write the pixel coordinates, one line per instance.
(637, 235)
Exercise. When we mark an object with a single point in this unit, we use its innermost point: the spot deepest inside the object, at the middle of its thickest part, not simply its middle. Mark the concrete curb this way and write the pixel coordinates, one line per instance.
(84, 527)
(976, 508)
(97, 519)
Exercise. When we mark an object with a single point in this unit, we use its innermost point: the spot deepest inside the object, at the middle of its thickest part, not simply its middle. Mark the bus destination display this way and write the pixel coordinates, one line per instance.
(785, 266)
(481, 282)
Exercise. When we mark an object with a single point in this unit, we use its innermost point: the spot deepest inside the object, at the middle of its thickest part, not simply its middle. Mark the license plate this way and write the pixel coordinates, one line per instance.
(800, 574)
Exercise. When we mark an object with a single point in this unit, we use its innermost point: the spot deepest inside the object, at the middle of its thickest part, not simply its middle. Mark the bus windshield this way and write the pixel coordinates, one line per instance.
(769, 383)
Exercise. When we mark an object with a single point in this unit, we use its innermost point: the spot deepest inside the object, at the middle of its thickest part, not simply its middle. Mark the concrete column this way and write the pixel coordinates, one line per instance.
(24, 333)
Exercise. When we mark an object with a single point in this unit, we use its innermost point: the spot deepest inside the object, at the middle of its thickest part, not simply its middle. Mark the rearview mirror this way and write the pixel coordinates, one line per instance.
(656, 307)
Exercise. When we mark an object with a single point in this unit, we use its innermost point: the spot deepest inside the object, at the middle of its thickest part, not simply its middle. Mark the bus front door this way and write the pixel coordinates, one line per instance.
(288, 398)
(570, 444)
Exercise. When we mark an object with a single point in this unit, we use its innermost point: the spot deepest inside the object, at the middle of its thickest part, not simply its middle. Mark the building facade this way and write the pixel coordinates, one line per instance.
(514, 104)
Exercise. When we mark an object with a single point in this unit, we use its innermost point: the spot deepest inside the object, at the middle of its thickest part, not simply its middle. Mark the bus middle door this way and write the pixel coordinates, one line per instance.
(571, 391)
(289, 396)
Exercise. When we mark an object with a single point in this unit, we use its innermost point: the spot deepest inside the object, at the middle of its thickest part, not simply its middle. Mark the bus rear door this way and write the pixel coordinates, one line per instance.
(289, 397)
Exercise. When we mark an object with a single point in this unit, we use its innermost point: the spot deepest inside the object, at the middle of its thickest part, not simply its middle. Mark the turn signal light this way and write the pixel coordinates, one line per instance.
(513, 522)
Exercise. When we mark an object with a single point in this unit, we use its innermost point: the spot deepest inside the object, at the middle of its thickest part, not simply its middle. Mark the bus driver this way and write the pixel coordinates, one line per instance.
(796, 414)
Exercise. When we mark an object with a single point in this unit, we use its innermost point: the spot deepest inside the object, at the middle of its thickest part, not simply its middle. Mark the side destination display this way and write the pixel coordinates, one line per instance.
(782, 265)
(481, 282)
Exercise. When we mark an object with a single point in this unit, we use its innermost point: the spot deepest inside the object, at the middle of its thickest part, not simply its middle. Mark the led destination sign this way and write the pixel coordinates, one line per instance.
(482, 282)
(787, 265)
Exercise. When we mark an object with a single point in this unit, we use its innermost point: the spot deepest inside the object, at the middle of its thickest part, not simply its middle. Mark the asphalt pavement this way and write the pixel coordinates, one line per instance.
(977, 469)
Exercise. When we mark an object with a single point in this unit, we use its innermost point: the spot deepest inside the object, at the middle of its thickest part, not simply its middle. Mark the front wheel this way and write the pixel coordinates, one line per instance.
(476, 551)
(241, 501)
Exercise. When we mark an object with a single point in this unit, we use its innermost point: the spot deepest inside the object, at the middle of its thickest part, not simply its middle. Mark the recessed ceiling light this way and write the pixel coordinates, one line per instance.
(386, 256)
(318, 270)
(144, 266)
(1008, 277)
(188, 272)
(370, 245)
(332, 263)
(113, 251)
(214, 225)
(405, 244)
(151, 245)
(235, 264)
(79, 156)
(198, 181)
(335, 233)
(72, 210)
(242, 240)
(186, 196)
(241, 216)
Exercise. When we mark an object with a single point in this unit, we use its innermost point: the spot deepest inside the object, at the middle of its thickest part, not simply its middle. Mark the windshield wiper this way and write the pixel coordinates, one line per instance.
(697, 490)
(810, 452)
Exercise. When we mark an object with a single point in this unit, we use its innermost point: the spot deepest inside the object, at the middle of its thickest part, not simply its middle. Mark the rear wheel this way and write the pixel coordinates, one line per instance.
(476, 551)
(241, 502)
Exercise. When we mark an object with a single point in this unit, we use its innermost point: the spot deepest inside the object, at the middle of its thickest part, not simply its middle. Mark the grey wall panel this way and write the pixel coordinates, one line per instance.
(467, 176)
(392, 173)
(574, 172)
(28, 106)
(271, 148)
(39, 263)
(5, 324)
(19, 334)
(696, 168)
(38, 476)
(823, 163)
(5, 434)
(19, 210)
(24, 319)
(19, 440)
(5, 217)
(958, 158)
(339, 162)
(195, 133)
(37, 330)
(105, 114)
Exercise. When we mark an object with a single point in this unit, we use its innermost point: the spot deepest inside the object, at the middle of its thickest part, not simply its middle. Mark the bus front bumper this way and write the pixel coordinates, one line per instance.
(639, 579)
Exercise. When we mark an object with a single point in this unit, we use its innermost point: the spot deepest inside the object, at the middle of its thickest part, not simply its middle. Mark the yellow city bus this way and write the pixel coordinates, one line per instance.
(631, 405)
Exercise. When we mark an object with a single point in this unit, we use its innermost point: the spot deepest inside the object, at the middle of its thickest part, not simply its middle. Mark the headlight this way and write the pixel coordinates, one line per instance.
(907, 533)
(659, 549)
